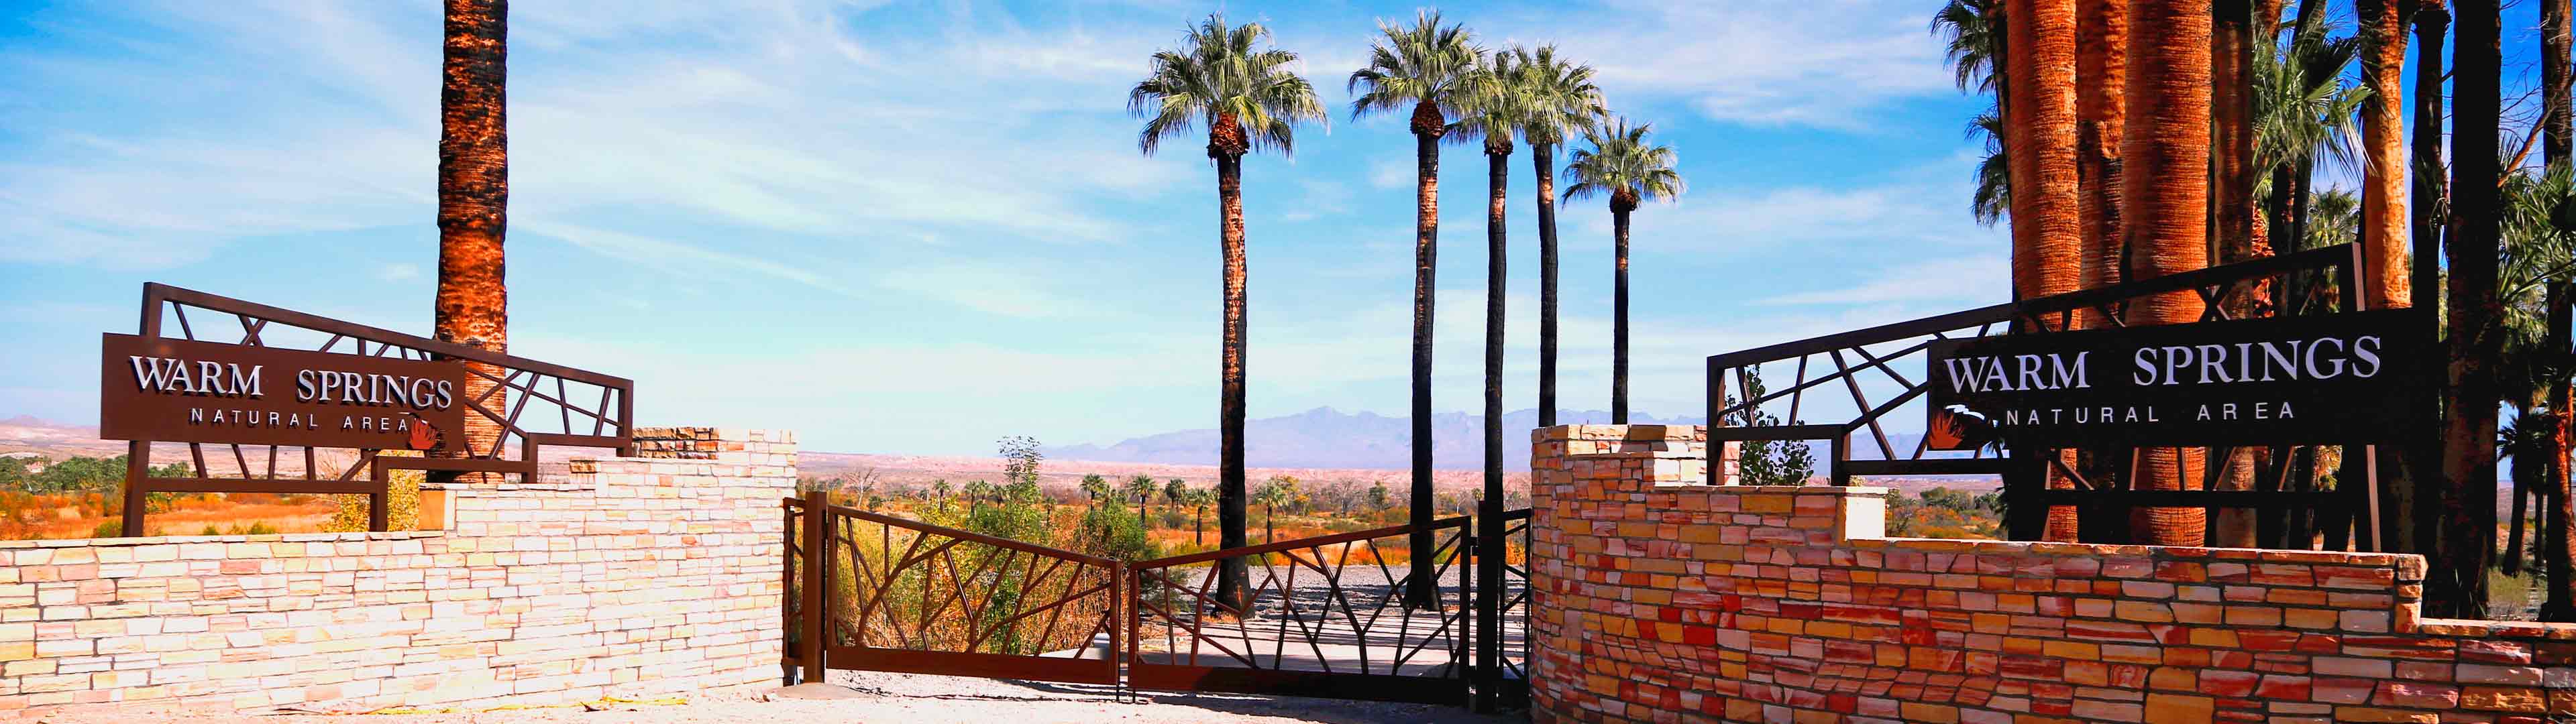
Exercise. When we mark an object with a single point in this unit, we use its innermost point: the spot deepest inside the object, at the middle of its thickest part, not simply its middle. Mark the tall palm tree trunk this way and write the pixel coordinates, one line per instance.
(2419, 496)
(2383, 190)
(473, 303)
(2101, 75)
(2047, 228)
(1420, 589)
(1489, 510)
(2101, 71)
(1543, 158)
(2231, 218)
(1226, 145)
(2165, 174)
(1498, 178)
(1619, 212)
(2457, 585)
(2558, 547)
(2558, 554)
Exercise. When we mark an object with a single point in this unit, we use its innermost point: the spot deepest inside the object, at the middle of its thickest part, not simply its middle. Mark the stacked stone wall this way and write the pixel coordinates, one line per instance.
(1659, 598)
(630, 576)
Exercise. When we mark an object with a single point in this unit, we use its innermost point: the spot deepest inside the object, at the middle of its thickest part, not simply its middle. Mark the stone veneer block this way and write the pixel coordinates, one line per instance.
(637, 576)
(1656, 597)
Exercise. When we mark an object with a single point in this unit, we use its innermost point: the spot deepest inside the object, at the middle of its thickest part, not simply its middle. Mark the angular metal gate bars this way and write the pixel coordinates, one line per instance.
(874, 592)
(880, 593)
(1316, 607)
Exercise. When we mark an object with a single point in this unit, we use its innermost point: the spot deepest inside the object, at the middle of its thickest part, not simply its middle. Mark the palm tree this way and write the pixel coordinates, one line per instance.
(1497, 106)
(2303, 110)
(2040, 154)
(940, 488)
(1278, 491)
(1973, 38)
(1562, 100)
(1992, 201)
(1251, 99)
(1972, 33)
(1093, 487)
(2231, 217)
(1175, 492)
(2101, 77)
(2165, 180)
(1625, 167)
(1201, 499)
(1428, 67)
(473, 303)
(1500, 106)
(1141, 488)
(2383, 188)
(2457, 587)
(2416, 500)
(2040, 147)
(2537, 254)
(2558, 545)
(2336, 219)
(975, 492)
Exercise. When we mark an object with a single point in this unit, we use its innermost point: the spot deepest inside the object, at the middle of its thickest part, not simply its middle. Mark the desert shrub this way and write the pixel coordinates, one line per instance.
(1945, 513)
(402, 501)
(1109, 531)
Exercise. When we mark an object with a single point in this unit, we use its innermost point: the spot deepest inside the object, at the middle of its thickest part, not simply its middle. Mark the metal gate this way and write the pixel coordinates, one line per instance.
(880, 593)
(1322, 616)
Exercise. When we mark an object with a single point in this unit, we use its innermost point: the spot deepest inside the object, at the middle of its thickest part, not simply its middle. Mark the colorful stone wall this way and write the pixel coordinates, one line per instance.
(1659, 598)
(630, 576)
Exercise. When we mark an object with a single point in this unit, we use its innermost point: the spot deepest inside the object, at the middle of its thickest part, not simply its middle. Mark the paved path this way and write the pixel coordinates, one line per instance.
(873, 697)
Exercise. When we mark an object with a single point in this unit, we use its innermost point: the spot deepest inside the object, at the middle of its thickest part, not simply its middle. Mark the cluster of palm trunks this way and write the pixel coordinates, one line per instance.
(2146, 138)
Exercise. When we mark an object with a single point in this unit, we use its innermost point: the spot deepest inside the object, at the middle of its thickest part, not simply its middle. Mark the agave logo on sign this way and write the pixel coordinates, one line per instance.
(2339, 378)
(186, 391)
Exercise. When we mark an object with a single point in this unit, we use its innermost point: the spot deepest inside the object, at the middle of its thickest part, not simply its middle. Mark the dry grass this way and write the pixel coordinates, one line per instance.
(83, 515)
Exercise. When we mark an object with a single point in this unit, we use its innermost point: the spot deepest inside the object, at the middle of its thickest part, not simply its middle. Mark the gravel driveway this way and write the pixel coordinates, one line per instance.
(878, 697)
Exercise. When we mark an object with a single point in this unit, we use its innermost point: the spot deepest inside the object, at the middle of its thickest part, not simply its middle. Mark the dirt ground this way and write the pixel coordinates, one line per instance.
(872, 697)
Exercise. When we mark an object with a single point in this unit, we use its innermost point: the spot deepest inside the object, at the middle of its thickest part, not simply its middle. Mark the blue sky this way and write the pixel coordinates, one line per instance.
(918, 227)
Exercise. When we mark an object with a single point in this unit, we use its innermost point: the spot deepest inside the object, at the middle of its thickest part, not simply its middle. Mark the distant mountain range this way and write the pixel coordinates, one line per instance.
(1327, 438)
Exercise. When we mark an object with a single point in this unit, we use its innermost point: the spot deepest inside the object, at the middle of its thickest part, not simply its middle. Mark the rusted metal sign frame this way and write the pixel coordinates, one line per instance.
(612, 417)
(2025, 475)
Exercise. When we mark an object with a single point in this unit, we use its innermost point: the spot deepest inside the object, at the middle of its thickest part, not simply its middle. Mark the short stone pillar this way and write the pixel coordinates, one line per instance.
(1626, 536)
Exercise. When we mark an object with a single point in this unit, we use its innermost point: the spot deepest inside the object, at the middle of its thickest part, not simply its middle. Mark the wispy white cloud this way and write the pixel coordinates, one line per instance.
(679, 258)
(999, 290)
(1766, 62)
(1392, 173)
(776, 118)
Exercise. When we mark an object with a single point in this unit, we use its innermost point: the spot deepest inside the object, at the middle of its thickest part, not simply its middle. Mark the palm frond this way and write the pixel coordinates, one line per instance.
(1222, 71)
(1621, 161)
(1417, 64)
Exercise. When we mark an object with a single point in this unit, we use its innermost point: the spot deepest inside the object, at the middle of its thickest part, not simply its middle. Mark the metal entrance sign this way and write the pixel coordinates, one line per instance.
(184, 391)
(2320, 379)
(312, 405)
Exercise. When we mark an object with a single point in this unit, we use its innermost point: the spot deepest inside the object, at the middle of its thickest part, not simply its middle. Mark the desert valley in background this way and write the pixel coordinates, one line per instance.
(1318, 448)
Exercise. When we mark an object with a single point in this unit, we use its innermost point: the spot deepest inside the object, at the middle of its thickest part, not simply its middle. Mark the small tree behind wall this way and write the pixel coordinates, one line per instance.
(1768, 462)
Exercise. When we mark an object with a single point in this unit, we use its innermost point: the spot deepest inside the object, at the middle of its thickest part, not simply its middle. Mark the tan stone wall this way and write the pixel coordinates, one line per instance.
(632, 576)
(1656, 598)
